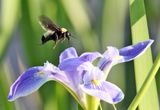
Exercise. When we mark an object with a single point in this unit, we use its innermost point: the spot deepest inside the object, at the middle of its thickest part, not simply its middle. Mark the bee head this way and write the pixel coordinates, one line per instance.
(68, 34)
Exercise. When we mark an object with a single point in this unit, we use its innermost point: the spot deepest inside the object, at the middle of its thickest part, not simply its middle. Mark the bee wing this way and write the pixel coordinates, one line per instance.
(47, 24)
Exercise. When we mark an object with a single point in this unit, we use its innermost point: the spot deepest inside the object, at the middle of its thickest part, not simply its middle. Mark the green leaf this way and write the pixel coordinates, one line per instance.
(146, 84)
(4, 87)
(142, 64)
(10, 11)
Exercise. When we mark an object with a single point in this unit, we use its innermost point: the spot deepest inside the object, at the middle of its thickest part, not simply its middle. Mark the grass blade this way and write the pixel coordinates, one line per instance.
(146, 84)
(9, 14)
(142, 64)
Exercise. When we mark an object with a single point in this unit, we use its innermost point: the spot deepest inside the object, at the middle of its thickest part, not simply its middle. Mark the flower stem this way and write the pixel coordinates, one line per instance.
(100, 106)
(114, 107)
(146, 84)
(92, 103)
(79, 107)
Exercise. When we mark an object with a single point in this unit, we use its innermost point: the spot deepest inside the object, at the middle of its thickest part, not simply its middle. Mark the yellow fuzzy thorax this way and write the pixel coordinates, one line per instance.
(63, 30)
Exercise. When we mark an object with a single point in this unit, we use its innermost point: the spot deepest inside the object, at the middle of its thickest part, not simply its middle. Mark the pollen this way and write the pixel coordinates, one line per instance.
(96, 82)
(63, 30)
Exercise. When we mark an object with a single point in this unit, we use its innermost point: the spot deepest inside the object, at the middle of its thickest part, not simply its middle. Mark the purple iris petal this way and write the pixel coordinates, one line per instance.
(70, 64)
(72, 72)
(32, 79)
(93, 74)
(27, 83)
(114, 56)
(110, 58)
(133, 51)
(105, 91)
(95, 85)
(67, 54)
(75, 67)
(90, 56)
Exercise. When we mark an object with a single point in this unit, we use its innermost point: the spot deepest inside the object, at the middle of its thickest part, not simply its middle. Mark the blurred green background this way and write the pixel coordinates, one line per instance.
(94, 25)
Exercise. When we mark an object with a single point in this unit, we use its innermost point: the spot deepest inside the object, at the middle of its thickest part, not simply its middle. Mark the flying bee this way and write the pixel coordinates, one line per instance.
(53, 32)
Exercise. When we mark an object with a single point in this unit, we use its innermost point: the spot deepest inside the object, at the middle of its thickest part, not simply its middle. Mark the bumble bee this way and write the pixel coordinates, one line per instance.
(53, 32)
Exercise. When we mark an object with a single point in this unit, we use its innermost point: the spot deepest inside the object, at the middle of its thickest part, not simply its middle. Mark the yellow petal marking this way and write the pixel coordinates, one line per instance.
(41, 73)
(96, 82)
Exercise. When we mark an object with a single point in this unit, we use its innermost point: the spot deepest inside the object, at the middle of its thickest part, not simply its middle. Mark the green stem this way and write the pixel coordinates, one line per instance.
(100, 106)
(146, 84)
(79, 107)
(92, 103)
(114, 107)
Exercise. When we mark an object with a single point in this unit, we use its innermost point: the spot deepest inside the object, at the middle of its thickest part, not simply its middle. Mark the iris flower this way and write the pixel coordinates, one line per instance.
(78, 74)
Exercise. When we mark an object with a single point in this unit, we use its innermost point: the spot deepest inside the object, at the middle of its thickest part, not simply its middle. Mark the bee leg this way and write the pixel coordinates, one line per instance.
(68, 38)
(63, 37)
(56, 41)
(63, 40)
(55, 45)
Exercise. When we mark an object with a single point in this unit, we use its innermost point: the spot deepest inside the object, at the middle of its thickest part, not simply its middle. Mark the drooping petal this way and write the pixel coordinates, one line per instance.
(105, 91)
(54, 73)
(67, 54)
(131, 52)
(94, 84)
(114, 56)
(28, 82)
(90, 56)
(32, 79)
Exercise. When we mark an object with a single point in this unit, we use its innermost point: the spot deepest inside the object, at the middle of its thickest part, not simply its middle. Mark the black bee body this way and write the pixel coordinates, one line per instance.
(56, 36)
(53, 33)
